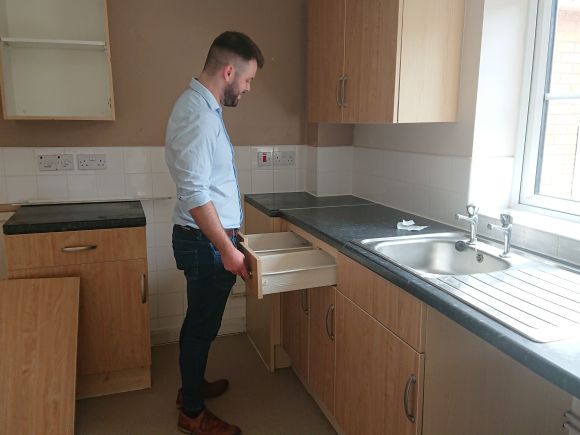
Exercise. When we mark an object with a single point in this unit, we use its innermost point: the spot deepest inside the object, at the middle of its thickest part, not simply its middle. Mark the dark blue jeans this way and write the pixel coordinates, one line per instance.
(208, 288)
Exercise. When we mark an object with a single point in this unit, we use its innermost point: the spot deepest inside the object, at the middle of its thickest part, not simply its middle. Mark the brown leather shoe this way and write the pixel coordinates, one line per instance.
(206, 424)
(208, 390)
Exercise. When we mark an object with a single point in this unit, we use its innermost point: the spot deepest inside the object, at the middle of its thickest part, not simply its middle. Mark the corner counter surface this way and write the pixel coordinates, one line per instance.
(340, 224)
(30, 219)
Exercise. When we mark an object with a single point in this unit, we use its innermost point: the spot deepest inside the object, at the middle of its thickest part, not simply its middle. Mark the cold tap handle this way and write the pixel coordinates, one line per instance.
(506, 219)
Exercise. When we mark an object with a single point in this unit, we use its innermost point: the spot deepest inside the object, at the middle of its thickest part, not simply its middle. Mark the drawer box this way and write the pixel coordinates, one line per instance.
(281, 262)
(75, 247)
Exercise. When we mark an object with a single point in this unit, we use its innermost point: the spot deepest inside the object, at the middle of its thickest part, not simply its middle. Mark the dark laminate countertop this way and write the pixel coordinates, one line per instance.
(558, 362)
(272, 203)
(73, 217)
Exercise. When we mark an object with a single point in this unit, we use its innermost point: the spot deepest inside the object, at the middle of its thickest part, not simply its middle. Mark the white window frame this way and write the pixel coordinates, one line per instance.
(541, 23)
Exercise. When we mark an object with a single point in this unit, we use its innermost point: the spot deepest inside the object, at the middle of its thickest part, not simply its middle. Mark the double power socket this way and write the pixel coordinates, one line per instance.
(65, 162)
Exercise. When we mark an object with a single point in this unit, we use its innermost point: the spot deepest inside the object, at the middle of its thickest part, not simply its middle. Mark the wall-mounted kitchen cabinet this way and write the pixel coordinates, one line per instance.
(384, 61)
(55, 58)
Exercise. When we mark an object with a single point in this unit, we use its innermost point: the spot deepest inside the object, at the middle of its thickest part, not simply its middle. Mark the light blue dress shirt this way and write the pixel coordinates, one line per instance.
(200, 157)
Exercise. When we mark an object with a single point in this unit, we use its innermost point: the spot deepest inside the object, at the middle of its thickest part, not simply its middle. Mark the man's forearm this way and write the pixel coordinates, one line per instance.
(207, 220)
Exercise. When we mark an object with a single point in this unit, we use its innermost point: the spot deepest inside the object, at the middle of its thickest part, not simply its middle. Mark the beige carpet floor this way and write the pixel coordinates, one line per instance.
(261, 403)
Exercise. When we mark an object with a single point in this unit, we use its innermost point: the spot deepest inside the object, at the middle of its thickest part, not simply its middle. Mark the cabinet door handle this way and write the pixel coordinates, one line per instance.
(338, 87)
(330, 315)
(78, 248)
(410, 382)
(304, 301)
(343, 92)
(143, 288)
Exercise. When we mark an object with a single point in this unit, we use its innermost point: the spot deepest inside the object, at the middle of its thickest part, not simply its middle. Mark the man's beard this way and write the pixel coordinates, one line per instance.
(231, 94)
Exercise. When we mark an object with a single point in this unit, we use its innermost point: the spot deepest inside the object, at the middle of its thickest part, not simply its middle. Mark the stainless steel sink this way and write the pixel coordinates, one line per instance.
(440, 254)
(538, 299)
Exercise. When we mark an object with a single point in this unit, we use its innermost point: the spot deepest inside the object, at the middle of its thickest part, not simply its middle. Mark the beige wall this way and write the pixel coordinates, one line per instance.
(157, 46)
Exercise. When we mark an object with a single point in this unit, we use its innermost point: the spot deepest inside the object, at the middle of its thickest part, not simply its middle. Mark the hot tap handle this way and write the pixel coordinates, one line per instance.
(506, 219)
(472, 210)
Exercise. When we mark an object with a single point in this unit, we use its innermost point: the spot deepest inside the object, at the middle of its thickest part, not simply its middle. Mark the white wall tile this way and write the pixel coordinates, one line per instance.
(172, 322)
(245, 182)
(2, 172)
(157, 156)
(148, 209)
(150, 234)
(163, 232)
(541, 241)
(163, 185)
(262, 181)
(302, 157)
(164, 258)
(111, 186)
(52, 187)
(19, 162)
(242, 158)
(285, 180)
(162, 210)
(301, 180)
(151, 258)
(115, 160)
(137, 160)
(139, 185)
(153, 307)
(171, 281)
(152, 283)
(170, 304)
(82, 187)
(21, 188)
(569, 250)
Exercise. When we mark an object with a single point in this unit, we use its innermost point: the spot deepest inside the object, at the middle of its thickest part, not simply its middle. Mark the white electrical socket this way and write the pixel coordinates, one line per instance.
(47, 162)
(55, 162)
(65, 162)
(284, 158)
(92, 161)
(264, 158)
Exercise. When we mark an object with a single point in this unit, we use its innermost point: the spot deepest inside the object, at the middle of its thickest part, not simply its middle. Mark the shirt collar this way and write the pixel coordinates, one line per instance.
(206, 95)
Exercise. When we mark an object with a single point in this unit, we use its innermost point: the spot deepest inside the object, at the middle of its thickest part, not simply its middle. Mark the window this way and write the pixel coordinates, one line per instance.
(551, 173)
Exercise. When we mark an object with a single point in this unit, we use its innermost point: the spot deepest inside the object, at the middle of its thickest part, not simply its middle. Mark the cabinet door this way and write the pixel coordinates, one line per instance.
(378, 377)
(325, 59)
(295, 330)
(372, 60)
(113, 314)
(321, 354)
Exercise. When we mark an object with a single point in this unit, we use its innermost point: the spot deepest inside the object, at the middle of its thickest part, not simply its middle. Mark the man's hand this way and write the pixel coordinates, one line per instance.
(233, 261)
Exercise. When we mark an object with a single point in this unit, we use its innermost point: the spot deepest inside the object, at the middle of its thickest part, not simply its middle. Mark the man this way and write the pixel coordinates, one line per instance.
(208, 213)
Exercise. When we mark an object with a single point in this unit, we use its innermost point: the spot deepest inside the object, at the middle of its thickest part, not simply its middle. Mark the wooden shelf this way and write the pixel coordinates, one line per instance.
(53, 43)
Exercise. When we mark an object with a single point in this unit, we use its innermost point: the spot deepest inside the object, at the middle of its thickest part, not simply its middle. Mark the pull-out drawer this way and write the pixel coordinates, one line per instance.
(281, 262)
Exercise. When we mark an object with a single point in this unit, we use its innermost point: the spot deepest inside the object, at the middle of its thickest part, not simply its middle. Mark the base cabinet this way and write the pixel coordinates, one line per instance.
(473, 388)
(378, 376)
(114, 348)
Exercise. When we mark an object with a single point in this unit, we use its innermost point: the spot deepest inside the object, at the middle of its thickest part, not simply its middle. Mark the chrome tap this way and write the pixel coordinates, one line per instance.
(472, 217)
(506, 228)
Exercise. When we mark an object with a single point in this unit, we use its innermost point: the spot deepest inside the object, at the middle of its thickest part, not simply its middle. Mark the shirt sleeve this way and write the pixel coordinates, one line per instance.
(189, 156)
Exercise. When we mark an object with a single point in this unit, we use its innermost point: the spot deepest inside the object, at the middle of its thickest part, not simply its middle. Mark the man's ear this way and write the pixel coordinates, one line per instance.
(229, 73)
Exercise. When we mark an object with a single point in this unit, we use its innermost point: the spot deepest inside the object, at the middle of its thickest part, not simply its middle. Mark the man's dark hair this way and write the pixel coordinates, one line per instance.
(231, 44)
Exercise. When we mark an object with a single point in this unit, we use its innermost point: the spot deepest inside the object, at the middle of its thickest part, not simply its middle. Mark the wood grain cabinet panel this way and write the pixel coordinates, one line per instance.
(400, 59)
(321, 353)
(378, 377)
(38, 339)
(295, 318)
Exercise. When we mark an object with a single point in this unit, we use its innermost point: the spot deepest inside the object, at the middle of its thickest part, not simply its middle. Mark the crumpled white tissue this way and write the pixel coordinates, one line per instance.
(410, 226)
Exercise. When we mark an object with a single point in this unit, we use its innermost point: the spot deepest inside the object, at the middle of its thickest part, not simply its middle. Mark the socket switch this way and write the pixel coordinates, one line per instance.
(284, 158)
(264, 158)
(55, 162)
(92, 161)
